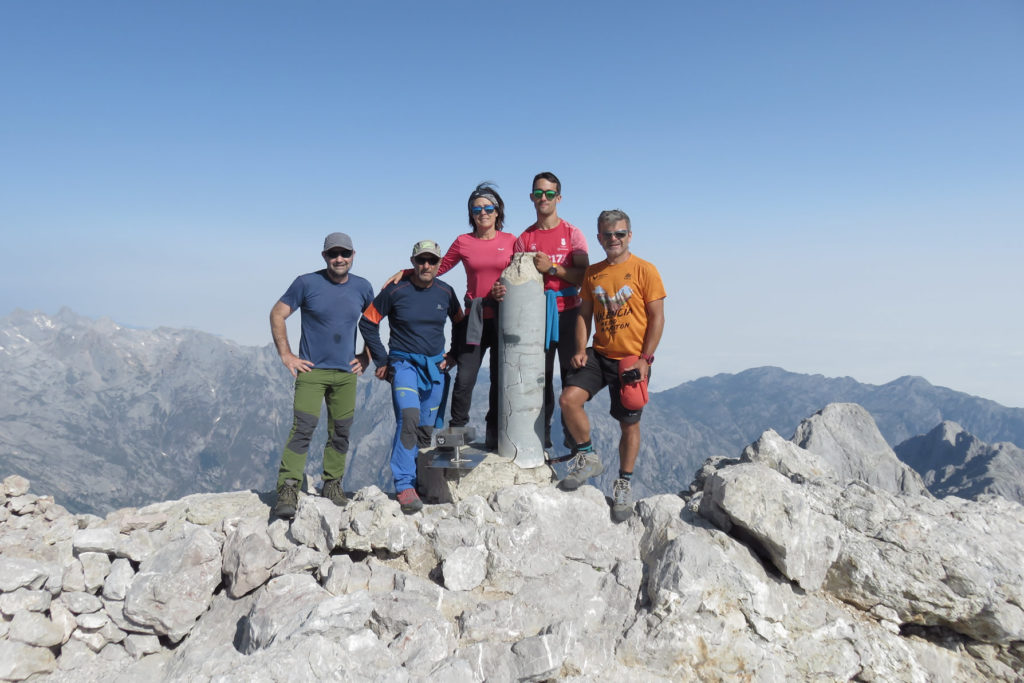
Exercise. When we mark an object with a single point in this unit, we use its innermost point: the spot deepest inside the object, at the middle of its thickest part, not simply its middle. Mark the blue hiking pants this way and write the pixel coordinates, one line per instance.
(414, 408)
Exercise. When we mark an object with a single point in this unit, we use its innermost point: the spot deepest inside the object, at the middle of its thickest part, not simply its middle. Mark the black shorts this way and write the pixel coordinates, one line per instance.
(598, 373)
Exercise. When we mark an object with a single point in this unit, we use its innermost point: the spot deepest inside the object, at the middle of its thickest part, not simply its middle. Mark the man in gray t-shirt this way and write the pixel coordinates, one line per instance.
(332, 301)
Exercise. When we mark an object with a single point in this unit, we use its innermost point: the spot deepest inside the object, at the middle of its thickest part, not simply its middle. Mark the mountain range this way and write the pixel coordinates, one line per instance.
(103, 416)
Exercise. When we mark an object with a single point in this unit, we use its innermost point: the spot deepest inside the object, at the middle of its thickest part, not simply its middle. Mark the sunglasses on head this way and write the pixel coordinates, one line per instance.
(550, 194)
(335, 253)
(432, 260)
(490, 208)
(618, 234)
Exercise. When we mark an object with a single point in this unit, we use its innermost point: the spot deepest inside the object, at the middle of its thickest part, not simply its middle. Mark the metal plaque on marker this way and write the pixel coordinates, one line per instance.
(452, 446)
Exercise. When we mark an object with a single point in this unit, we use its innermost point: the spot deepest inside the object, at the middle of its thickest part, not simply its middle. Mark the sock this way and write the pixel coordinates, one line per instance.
(585, 447)
(628, 476)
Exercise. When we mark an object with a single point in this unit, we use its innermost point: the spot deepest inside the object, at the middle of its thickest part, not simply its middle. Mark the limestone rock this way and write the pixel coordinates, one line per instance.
(465, 568)
(95, 566)
(62, 616)
(15, 485)
(96, 540)
(18, 660)
(775, 566)
(280, 606)
(138, 645)
(846, 436)
(81, 603)
(35, 629)
(335, 573)
(17, 572)
(249, 556)
(73, 577)
(775, 513)
(317, 523)
(119, 578)
(24, 600)
(175, 586)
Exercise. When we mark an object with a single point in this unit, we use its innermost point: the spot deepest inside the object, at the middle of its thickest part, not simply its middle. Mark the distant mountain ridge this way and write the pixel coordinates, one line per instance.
(954, 462)
(104, 416)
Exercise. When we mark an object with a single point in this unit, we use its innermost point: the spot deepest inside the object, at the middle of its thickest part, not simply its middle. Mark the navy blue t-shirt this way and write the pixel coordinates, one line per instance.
(415, 315)
(330, 316)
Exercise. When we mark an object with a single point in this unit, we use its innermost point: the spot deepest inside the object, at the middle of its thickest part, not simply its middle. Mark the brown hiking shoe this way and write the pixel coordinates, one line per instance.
(287, 499)
(333, 492)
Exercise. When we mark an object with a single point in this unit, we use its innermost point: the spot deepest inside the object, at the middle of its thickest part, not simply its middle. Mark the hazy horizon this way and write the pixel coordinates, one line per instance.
(661, 386)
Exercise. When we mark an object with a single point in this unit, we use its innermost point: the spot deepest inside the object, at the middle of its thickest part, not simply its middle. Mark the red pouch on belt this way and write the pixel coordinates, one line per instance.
(632, 394)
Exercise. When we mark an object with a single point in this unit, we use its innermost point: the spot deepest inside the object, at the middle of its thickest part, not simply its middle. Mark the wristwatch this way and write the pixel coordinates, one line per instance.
(649, 359)
(553, 270)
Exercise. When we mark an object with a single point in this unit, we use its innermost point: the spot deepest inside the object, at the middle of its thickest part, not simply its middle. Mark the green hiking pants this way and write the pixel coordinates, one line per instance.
(338, 389)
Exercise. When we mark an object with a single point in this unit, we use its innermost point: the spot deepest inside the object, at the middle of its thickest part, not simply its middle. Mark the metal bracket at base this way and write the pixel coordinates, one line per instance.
(456, 460)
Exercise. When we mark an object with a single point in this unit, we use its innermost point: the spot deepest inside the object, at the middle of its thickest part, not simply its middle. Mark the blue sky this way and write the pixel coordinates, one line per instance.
(830, 187)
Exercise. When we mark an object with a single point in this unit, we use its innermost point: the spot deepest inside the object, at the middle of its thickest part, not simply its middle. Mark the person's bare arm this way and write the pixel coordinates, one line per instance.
(652, 335)
(279, 331)
(579, 359)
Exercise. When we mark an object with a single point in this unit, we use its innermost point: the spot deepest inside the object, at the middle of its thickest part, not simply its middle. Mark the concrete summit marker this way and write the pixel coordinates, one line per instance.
(521, 342)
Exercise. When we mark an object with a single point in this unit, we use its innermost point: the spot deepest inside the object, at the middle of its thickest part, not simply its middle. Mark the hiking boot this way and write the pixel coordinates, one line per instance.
(409, 501)
(622, 501)
(333, 492)
(287, 499)
(585, 465)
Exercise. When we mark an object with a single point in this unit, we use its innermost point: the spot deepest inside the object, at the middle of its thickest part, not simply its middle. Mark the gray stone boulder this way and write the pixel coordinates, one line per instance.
(847, 438)
(909, 557)
(19, 660)
(175, 586)
(249, 556)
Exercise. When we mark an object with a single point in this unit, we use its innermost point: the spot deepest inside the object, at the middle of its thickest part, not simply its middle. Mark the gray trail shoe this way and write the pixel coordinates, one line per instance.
(333, 492)
(622, 501)
(287, 499)
(584, 466)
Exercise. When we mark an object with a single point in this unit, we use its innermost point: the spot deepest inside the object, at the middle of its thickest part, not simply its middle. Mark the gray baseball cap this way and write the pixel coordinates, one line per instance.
(338, 240)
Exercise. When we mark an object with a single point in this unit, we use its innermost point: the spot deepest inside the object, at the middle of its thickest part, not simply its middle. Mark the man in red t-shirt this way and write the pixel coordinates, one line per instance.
(561, 256)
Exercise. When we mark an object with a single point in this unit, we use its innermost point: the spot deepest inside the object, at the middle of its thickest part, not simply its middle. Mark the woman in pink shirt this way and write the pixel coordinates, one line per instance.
(485, 253)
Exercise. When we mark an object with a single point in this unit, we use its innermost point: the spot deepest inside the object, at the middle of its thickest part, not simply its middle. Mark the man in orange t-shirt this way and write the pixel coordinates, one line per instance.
(624, 298)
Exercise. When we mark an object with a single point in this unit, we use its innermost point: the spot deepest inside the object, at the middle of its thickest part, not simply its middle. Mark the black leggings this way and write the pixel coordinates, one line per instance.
(469, 359)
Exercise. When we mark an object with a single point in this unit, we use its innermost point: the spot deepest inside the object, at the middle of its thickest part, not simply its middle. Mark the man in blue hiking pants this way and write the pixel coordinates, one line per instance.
(416, 309)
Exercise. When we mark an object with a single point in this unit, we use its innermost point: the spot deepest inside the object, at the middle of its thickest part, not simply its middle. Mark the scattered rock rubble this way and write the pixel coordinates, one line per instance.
(772, 567)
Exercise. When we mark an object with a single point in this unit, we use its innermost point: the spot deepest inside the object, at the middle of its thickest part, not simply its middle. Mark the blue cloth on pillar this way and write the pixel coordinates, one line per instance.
(551, 328)
(406, 393)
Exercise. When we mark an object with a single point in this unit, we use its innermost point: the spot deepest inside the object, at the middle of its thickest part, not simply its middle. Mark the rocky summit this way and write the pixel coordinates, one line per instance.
(773, 566)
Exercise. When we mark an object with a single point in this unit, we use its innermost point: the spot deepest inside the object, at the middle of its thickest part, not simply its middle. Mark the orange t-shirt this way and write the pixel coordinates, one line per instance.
(620, 294)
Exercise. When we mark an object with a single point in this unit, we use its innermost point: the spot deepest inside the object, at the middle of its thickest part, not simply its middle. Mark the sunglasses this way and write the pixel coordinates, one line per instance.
(618, 234)
(422, 260)
(335, 253)
(490, 208)
(550, 194)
